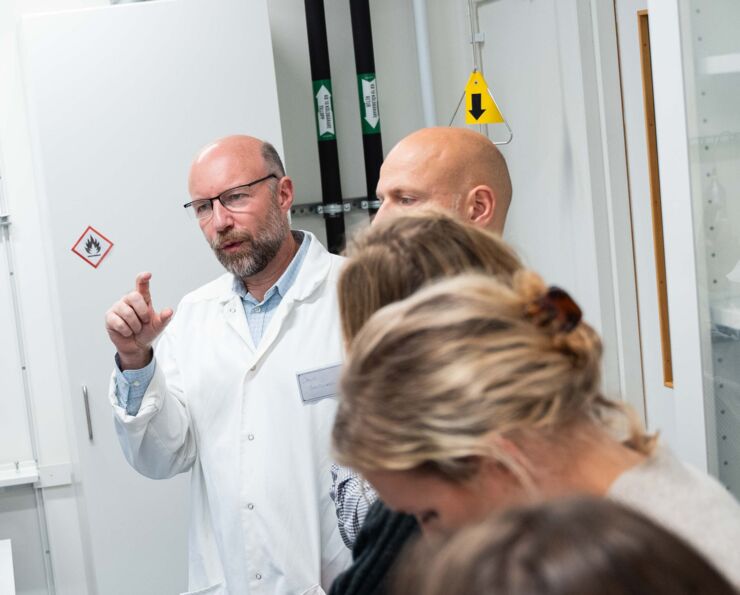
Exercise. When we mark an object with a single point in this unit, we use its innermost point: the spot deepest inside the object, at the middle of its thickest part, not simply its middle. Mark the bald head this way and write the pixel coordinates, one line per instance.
(456, 169)
(228, 162)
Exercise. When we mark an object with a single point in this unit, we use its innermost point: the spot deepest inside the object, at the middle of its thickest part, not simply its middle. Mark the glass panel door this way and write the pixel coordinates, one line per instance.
(711, 62)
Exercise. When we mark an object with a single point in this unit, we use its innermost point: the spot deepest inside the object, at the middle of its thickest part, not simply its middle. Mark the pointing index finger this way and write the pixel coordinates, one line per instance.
(142, 286)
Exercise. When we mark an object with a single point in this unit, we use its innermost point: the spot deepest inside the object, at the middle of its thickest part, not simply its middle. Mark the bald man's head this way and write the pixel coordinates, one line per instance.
(456, 169)
(248, 225)
(228, 159)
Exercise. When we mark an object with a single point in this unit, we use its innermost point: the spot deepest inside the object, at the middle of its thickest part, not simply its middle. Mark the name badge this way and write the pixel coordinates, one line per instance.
(316, 385)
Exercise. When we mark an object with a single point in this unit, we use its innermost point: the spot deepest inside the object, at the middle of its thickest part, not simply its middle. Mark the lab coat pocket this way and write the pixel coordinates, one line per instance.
(315, 590)
(212, 590)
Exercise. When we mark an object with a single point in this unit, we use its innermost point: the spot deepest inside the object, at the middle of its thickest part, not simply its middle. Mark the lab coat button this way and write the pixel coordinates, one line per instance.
(250, 506)
(258, 576)
(250, 437)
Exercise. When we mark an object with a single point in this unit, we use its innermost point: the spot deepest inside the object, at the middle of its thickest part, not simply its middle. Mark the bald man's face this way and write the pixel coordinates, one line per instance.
(417, 175)
(244, 241)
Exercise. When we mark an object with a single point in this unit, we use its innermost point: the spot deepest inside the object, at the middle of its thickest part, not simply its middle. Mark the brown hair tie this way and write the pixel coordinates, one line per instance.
(555, 308)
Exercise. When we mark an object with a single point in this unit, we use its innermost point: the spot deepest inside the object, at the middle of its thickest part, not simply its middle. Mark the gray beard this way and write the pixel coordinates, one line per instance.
(256, 252)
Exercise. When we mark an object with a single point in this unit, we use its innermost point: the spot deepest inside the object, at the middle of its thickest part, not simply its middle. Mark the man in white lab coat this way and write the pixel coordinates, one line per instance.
(238, 389)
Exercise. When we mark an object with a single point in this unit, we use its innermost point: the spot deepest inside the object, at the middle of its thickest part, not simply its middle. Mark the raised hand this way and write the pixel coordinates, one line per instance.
(133, 324)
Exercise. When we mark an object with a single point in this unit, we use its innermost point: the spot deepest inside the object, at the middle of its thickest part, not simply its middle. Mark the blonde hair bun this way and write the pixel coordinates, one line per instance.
(428, 380)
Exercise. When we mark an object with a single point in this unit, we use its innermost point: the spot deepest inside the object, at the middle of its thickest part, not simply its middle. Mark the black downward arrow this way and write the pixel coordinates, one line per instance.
(476, 112)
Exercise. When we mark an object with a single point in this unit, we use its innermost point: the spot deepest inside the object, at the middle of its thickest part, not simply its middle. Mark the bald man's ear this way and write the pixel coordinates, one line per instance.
(285, 193)
(481, 205)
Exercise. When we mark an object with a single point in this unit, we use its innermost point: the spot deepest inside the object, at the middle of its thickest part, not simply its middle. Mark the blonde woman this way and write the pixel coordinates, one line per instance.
(387, 263)
(471, 396)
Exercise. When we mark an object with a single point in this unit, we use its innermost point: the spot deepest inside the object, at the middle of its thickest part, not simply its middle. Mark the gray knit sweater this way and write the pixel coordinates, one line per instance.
(688, 502)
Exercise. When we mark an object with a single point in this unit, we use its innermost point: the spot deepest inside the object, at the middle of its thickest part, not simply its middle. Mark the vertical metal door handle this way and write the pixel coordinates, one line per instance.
(87, 411)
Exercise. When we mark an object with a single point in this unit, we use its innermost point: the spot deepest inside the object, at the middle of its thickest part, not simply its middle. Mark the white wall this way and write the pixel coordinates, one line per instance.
(543, 60)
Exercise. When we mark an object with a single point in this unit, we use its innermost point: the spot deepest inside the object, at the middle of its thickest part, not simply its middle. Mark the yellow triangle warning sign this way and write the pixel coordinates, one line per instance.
(480, 107)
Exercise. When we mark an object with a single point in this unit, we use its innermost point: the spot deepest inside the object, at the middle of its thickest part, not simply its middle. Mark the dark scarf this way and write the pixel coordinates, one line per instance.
(377, 547)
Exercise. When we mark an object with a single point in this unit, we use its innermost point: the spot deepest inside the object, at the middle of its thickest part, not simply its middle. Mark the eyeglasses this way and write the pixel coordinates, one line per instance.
(235, 200)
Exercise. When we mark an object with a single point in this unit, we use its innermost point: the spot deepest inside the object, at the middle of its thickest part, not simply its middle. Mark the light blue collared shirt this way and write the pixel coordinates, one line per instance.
(132, 384)
(259, 314)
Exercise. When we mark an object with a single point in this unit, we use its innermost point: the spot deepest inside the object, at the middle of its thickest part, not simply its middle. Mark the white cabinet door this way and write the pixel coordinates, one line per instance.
(657, 365)
(670, 346)
(699, 58)
(690, 347)
(120, 98)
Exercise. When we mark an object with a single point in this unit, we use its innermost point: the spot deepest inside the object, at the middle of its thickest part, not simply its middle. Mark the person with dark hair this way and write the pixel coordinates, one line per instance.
(579, 546)
(238, 363)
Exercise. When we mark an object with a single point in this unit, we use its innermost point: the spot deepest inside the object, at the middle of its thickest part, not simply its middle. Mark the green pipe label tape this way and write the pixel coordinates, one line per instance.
(367, 88)
(323, 104)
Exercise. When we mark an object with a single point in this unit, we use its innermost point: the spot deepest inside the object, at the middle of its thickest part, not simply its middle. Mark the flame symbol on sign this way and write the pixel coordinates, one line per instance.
(92, 245)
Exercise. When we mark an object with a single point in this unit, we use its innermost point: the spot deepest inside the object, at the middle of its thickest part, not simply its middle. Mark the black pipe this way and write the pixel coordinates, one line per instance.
(367, 87)
(331, 186)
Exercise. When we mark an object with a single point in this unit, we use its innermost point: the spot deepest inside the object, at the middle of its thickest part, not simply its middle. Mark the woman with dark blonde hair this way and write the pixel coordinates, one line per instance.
(471, 396)
(392, 259)
(389, 262)
(578, 546)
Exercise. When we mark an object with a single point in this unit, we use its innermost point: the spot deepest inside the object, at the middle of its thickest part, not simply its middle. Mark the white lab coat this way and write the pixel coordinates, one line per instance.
(262, 520)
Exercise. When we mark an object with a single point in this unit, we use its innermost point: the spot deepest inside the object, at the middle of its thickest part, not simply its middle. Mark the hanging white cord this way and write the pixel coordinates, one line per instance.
(423, 55)
(476, 40)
